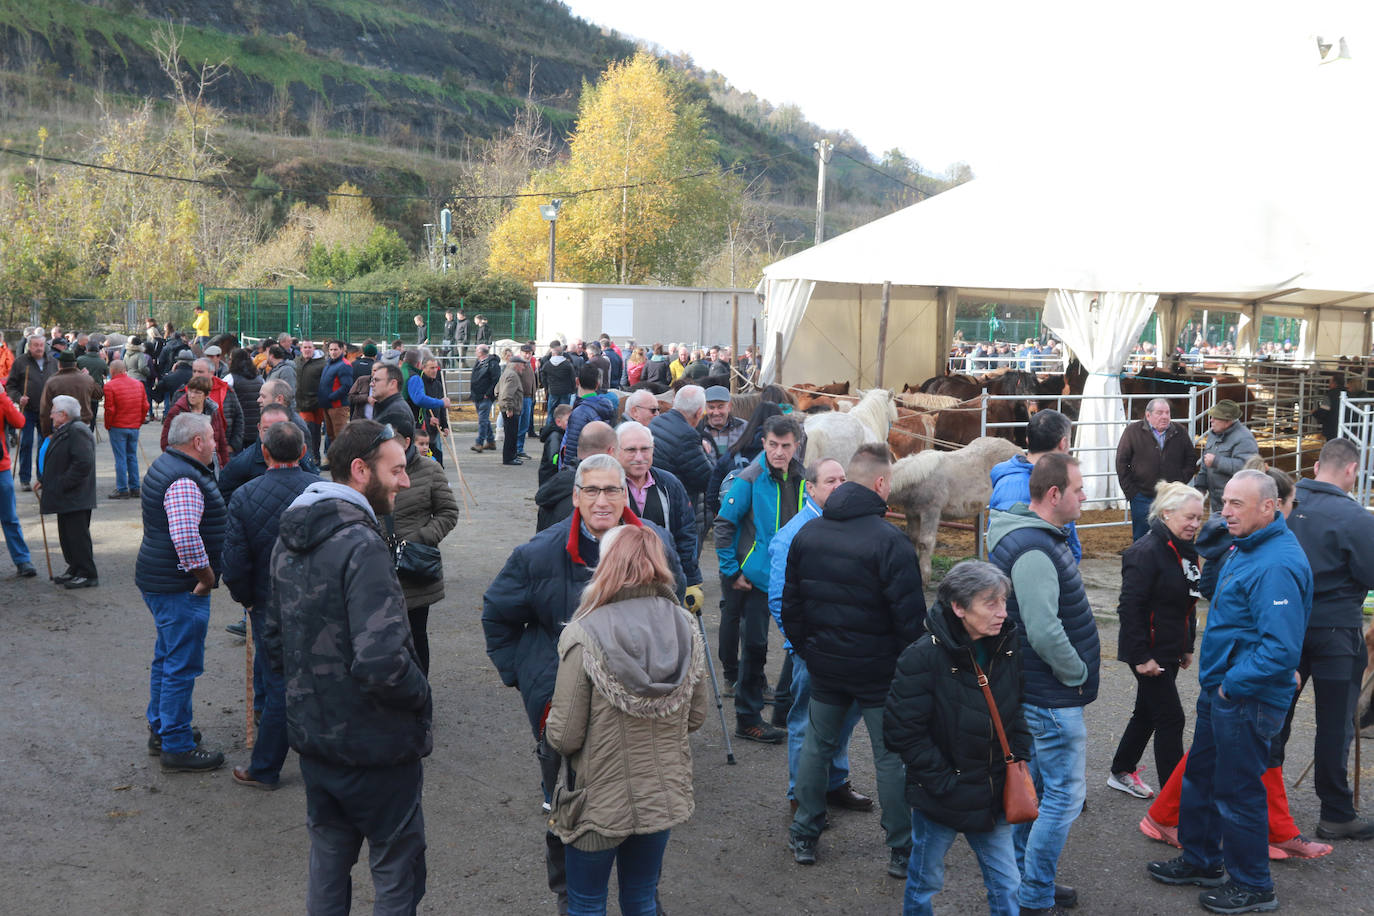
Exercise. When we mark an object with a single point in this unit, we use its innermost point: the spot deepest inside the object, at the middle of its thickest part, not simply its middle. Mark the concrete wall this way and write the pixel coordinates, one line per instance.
(643, 314)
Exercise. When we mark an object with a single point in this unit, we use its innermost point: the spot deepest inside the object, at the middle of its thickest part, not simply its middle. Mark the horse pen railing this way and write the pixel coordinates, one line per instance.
(1357, 424)
(1200, 399)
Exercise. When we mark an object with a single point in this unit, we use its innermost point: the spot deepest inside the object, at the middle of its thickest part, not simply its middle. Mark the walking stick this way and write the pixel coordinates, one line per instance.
(715, 686)
(47, 555)
(453, 449)
(250, 729)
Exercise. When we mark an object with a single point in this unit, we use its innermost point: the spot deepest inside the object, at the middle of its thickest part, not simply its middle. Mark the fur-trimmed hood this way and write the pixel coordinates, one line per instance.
(640, 651)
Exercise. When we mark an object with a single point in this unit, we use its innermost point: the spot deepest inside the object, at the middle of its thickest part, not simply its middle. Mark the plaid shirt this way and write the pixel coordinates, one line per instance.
(185, 505)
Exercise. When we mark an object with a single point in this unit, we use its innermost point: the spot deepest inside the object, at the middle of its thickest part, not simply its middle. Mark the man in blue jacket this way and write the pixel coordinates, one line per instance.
(335, 381)
(589, 406)
(1337, 534)
(764, 497)
(1246, 667)
(1048, 431)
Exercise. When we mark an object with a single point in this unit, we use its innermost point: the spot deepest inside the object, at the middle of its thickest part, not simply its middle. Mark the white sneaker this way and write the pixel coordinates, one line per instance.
(1131, 784)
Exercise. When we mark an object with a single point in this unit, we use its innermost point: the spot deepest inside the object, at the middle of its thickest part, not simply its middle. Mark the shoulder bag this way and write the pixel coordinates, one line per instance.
(418, 564)
(1018, 793)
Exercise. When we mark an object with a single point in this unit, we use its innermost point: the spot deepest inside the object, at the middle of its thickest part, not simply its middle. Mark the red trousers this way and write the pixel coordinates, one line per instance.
(1164, 810)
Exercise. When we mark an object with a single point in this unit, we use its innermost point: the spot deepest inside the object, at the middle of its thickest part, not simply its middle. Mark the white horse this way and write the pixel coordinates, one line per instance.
(933, 485)
(837, 435)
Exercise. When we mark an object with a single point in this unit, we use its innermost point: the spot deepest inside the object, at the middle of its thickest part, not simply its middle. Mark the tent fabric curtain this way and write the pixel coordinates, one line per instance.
(1100, 329)
(787, 302)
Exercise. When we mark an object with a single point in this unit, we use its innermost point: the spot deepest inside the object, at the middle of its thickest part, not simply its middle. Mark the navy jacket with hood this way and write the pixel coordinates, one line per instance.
(1337, 534)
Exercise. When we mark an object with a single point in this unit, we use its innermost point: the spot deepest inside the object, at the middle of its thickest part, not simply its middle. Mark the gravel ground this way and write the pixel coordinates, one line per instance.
(91, 825)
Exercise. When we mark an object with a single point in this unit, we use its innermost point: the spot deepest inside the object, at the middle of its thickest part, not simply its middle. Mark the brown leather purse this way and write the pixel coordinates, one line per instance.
(1019, 800)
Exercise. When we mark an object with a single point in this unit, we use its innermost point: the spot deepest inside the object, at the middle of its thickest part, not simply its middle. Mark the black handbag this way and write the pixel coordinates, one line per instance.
(418, 564)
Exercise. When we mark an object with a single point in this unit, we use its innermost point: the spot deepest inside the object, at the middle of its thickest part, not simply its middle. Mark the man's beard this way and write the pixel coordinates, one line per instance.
(378, 498)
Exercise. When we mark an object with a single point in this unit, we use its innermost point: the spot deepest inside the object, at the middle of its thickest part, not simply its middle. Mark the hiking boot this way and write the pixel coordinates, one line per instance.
(1358, 829)
(1300, 847)
(196, 760)
(1232, 898)
(155, 740)
(1181, 871)
(846, 797)
(477, 448)
(897, 861)
(1131, 784)
(1065, 896)
(803, 849)
(1159, 832)
(763, 734)
(238, 628)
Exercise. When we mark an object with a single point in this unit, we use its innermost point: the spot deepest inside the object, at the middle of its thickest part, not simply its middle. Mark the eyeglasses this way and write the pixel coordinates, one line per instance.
(387, 432)
(608, 492)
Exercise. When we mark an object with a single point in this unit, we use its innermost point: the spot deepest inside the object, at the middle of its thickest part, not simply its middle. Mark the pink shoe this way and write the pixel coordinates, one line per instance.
(1131, 784)
(1159, 833)
(1300, 847)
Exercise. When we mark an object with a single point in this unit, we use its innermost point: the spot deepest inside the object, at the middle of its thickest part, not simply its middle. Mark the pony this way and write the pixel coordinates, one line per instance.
(838, 435)
(934, 485)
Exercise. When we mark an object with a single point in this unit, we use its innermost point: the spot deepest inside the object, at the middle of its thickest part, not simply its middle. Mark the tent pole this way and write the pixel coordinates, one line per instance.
(777, 348)
(882, 333)
(734, 340)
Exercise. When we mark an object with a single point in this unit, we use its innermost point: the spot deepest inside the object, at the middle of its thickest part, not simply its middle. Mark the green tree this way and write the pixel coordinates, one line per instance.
(667, 203)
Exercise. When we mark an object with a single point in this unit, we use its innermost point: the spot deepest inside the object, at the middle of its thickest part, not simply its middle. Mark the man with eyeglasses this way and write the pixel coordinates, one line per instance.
(642, 406)
(358, 707)
(534, 596)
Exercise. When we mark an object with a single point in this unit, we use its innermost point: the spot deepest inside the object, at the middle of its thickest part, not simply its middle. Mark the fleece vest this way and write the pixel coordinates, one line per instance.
(157, 569)
(1042, 688)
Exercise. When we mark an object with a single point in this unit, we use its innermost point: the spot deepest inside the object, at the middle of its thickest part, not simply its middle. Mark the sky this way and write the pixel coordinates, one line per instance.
(1012, 86)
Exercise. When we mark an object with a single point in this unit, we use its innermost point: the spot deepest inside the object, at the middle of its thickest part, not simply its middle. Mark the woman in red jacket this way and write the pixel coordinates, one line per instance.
(11, 416)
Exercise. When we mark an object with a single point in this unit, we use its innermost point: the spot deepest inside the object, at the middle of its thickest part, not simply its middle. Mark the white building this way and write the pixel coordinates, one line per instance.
(644, 315)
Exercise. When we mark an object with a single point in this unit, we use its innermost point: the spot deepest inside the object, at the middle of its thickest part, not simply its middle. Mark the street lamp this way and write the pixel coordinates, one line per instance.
(550, 212)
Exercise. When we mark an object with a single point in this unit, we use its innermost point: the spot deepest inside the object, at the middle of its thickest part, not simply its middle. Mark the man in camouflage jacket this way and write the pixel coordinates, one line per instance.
(358, 708)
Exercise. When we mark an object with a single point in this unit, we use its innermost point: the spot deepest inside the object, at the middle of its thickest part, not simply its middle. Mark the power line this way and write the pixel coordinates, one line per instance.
(886, 175)
(445, 198)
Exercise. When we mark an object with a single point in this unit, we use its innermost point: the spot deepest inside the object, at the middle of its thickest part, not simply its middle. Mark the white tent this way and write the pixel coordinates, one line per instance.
(1102, 249)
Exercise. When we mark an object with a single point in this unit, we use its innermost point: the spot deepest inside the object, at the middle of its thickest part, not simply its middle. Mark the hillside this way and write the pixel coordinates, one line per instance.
(389, 95)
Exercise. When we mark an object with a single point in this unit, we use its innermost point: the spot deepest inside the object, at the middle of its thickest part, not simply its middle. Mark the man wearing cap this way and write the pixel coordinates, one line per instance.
(72, 382)
(216, 357)
(1229, 443)
(718, 427)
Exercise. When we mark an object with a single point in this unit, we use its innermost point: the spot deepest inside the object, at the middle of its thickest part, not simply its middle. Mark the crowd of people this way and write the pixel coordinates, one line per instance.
(596, 621)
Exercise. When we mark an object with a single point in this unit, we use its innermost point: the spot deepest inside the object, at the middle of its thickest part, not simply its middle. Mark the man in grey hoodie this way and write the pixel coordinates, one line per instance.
(1061, 655)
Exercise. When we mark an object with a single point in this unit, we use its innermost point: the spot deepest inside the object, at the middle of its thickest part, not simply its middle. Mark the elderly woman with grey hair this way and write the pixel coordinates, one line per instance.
(66, 488)
(939, 720)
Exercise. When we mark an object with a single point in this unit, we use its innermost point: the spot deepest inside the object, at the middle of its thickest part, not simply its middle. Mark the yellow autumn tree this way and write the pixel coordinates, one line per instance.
(644, 198)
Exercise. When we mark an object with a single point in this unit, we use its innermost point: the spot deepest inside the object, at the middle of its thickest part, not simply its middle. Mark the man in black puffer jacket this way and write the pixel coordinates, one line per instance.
(358, 707)
(254, 519)
(851, 603)
(678, 447)
(937, 718)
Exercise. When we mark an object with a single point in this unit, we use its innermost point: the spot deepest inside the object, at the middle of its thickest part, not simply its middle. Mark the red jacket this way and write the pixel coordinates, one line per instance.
(10, 415)
(126, 403)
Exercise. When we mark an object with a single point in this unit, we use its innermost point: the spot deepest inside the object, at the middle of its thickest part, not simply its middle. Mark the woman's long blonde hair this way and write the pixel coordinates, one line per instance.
(630, 556)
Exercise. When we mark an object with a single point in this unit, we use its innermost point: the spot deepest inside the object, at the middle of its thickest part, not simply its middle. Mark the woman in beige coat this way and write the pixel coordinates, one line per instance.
(630, 687)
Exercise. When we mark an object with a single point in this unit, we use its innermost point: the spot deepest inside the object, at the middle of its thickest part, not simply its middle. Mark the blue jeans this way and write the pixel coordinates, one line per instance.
(269, 750)
(526, 418)
(1058, 757)
(182, 620)
(27, 436)
(1140, 519)
(9, 521)
(925, 870)
(638, 860)
(124, 444)
(797, 718)
(823, 732)
(1223, 810)
(484, 433)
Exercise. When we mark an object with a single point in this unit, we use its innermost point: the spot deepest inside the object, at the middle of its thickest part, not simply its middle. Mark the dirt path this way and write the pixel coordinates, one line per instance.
(90, 825)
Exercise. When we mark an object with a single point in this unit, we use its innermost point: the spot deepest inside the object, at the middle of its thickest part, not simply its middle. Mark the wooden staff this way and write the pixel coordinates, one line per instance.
(250, 730)
(453, 449)
(47, 555)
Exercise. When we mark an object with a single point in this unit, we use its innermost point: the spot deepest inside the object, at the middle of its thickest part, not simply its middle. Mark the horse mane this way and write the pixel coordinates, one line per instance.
(910, 472)
(876, 411)
(916, 400)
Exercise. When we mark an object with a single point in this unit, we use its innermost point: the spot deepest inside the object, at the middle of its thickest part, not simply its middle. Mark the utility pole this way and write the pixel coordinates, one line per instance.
(823, 149)
(445, 227)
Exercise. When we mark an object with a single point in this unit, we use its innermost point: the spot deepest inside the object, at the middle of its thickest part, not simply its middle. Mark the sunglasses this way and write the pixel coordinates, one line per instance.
(384, 434)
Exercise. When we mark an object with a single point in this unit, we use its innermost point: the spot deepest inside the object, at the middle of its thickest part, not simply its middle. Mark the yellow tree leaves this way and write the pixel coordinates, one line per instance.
(656, 218)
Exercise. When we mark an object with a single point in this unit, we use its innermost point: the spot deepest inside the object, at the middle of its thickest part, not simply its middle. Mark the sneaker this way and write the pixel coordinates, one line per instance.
(1300, 847)
(1358, 829)
(1131, 784)
(803, 849)
(897, 861)
(1232, 898)
(238, 628)
(523, 457)
(155, 740)
(763, 734)
(1159, 832)
(196, 760)
(1181, 871)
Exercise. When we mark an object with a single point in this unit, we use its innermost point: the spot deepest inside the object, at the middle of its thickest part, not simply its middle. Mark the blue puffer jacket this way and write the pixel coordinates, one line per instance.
(335, 381)
(588, 409)
(1258, 617)
(1011, 485)
(526, 606)
(254, 520)
(758, 505)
